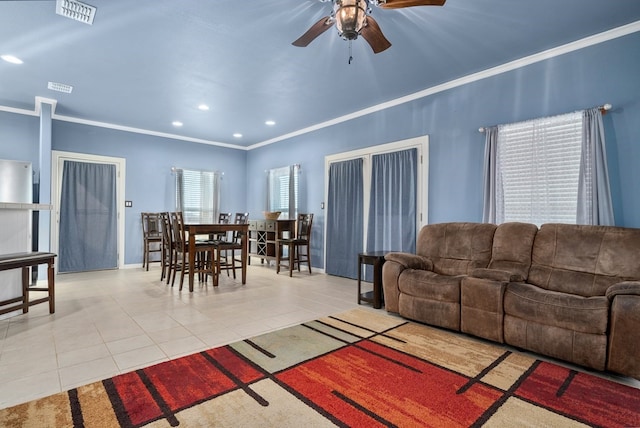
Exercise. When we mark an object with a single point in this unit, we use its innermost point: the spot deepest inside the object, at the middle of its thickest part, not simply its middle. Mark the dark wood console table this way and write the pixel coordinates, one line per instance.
(25, 261)
(375, 258)
(263, 235)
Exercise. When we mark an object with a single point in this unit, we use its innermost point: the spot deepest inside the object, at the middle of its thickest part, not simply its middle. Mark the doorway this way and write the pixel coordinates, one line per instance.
(87, 225)
(376, 200)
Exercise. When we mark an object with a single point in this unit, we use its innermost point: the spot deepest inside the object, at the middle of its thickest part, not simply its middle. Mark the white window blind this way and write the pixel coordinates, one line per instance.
(539, 164)
(198, 195)
(282, 186)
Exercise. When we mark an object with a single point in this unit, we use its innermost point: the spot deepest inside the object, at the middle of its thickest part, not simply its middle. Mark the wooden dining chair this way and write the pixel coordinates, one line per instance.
(179, 247)
(223, 218)
(229, 247)
(298, 247)
(151, 237)
(203, 257)
(213, 242)
(167, 246)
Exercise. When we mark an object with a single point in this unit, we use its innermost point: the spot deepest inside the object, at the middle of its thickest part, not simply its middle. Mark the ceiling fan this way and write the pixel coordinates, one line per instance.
(352, 19)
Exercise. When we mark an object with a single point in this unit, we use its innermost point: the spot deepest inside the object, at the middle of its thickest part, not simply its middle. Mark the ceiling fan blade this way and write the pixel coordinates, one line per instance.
(397, 4)
(373, 35)
(316, 29)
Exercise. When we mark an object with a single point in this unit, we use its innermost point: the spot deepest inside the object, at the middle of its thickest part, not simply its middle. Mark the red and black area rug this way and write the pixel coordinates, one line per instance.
(358, 369)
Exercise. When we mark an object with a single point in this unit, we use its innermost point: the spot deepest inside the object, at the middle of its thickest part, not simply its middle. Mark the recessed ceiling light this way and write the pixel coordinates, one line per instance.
(12, 59)
(60, 87)
(203, 107)
(237, 135)
(177, 123)
(270, 122)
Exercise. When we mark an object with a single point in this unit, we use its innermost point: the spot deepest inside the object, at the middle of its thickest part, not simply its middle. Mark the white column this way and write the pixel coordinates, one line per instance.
(43, 176)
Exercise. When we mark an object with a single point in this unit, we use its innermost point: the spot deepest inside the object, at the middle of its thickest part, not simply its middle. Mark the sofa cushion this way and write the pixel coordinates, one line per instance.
(430, 285)
(511, 250)
(456, 248)
(584, 260)
(567, 311)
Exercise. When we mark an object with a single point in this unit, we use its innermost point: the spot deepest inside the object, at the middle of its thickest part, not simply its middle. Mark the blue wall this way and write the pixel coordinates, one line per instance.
(605, 73)
(149, 180)
(19, 136)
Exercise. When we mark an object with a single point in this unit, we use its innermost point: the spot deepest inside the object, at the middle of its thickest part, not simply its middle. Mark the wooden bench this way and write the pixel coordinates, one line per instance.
(25, 261)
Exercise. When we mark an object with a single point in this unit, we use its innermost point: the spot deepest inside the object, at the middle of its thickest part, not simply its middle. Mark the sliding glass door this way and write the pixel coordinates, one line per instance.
(375, 202)
(344, 217)
(392, 207)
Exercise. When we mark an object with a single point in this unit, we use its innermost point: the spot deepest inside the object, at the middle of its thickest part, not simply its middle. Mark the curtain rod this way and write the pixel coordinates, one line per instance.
(603, 109)
(174, 169)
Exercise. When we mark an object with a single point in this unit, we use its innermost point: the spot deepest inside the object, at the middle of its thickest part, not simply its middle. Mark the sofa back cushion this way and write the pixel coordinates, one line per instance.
(456, 248)
(512, 245)
(584, 260)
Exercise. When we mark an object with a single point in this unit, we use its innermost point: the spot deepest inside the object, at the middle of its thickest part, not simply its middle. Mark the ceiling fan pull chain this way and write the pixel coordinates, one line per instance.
(350, 57)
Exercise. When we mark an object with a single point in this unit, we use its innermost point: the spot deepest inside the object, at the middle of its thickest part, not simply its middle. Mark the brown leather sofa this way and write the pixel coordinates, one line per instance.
(570, 292)
(426, 286)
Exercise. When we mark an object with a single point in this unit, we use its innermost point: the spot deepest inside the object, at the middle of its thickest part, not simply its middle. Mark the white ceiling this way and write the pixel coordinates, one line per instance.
(146, 63)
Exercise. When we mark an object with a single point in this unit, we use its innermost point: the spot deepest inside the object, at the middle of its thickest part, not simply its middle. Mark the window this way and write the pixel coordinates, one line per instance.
(539, 166)
(198, 195)
(282, 191)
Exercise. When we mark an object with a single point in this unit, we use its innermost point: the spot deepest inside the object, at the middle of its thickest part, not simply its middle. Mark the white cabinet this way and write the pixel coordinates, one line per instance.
(15, 237)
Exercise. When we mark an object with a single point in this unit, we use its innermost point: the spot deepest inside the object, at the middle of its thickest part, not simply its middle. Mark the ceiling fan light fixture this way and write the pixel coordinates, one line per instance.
(350, 17)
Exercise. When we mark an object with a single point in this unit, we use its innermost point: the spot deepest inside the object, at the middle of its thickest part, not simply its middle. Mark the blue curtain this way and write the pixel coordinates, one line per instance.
(344, 218)
(594, 194)
(392, 209)
(88, 218)
(491, 204)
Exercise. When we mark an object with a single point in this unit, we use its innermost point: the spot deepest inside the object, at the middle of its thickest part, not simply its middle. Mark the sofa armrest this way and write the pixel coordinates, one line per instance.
(395, 264)
(410, 261)
(624, 329)
(624, 288)
(497, 275)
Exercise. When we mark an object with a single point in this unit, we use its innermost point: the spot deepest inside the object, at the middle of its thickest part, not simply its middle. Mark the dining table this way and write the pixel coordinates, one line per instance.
(215, 228)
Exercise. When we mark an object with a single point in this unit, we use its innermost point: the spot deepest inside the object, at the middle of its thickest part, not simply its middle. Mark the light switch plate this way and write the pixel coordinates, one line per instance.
(128, 204)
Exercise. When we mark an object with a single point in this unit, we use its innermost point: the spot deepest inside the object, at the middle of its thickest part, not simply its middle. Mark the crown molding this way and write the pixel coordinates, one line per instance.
(494, 71)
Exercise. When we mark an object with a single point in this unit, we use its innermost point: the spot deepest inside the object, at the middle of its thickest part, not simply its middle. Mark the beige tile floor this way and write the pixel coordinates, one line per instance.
(112, 322)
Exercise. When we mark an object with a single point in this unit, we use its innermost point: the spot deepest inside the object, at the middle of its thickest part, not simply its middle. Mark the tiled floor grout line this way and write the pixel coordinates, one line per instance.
(145, 309)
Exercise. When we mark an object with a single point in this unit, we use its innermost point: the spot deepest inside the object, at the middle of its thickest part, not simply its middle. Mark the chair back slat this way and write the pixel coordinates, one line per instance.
(240, 218)
(177, 225)
(151, 225)
(304, 226)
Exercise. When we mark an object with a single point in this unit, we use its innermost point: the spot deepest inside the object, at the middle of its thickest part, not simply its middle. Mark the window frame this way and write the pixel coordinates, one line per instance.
(538, 163)
(198, 195)
(279, 192)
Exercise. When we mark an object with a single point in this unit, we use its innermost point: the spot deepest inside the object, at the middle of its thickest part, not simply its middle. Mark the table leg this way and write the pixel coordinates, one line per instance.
(192, 259)
(51, 284)
(25, 290)
(292, 256)
(377, 283)
(245, 256)
(359, 277)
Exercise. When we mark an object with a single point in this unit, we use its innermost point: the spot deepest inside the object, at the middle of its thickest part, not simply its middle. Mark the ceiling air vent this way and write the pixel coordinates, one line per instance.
(60, 87)
(76, 10)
